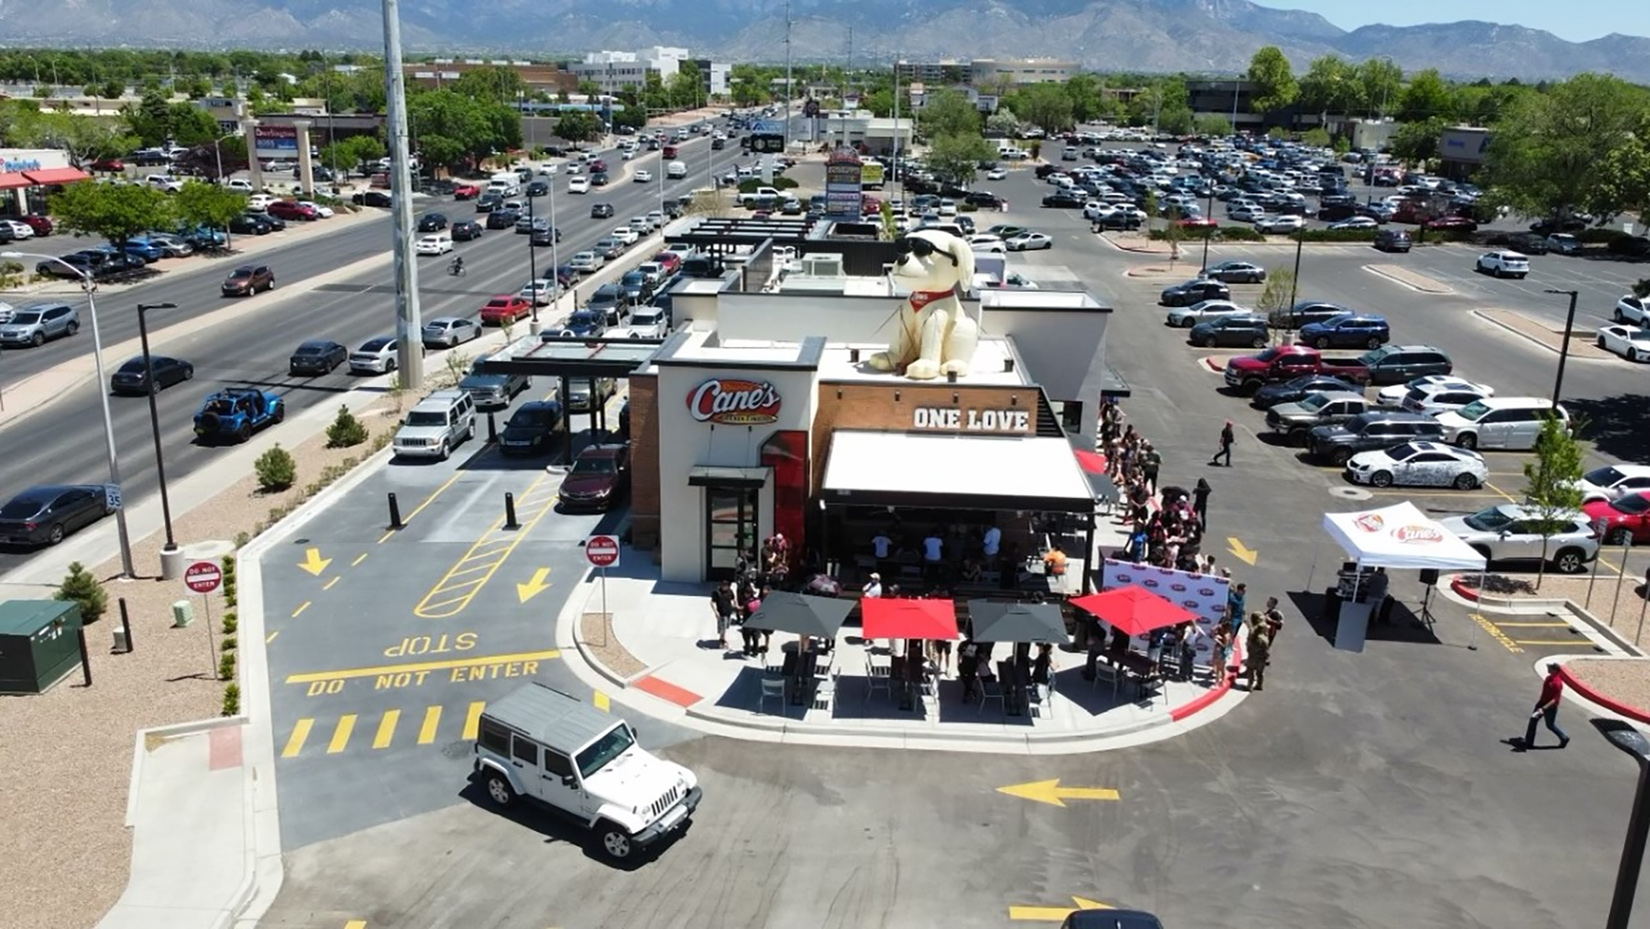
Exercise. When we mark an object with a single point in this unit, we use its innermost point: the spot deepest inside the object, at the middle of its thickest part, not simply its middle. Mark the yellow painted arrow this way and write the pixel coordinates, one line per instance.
(1051, 793)
(313, 562)
(535, 586)
(1053, 914)
(1240, 551)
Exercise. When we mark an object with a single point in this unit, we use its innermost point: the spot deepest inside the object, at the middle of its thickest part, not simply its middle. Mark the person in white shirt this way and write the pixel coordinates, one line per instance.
(881, 545)
(993, 542)
(873, 587)
(931, 547)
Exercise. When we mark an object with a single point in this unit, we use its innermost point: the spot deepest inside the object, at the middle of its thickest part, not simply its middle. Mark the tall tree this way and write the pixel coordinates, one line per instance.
(1273, 80)
(948, 113)
(116, 212)
(203, 204)
(83, 138)
(578, 126)
(1046, 106)
(1331, 85)
(1414, 143)
(1087, 95)
(1381, 83)
(1426, 96)
(492, 82)
(955, 158)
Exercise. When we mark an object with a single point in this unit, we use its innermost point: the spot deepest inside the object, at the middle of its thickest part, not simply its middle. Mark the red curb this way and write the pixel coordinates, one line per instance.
(1631, 712)
(1215, 693)
(1460, 587)
(1213, 364)
(680, 696)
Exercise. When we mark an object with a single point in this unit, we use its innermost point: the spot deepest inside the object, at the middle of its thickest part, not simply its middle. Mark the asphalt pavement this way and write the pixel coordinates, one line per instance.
(61, 443)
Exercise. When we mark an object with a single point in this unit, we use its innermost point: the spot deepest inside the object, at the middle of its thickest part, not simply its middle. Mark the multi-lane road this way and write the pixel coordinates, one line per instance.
(62, 441)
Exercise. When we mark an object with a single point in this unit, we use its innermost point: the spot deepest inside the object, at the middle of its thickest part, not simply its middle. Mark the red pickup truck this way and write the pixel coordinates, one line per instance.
(1248, 373)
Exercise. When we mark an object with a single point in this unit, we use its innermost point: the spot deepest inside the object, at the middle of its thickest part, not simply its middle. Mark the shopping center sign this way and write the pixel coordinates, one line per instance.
(734, 402)
(955, 419)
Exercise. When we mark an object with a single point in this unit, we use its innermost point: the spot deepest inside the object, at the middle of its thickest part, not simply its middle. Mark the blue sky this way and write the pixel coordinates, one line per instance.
(1577, 21)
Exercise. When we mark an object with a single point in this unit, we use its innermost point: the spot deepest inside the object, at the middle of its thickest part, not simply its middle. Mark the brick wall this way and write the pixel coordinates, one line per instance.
(644, 461)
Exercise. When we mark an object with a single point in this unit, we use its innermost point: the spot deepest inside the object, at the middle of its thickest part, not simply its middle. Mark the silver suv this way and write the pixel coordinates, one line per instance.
(33, 325)
(1510, 532)
(439, 422)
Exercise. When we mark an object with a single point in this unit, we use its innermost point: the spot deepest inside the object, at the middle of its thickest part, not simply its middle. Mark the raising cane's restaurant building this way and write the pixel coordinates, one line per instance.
(760, 414)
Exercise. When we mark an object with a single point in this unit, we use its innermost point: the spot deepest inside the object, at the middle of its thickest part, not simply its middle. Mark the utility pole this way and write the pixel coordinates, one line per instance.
(787, 77)
(846, 77)
(408, 320)
(894, 168)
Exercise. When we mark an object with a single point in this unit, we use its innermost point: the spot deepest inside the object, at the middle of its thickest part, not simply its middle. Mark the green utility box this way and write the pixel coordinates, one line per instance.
(38, 644)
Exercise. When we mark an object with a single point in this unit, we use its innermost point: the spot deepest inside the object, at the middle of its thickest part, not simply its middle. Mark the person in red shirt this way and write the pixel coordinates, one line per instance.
(1552, 688)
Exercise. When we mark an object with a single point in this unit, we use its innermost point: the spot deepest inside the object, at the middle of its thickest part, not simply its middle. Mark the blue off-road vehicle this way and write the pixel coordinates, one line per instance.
(234, 413)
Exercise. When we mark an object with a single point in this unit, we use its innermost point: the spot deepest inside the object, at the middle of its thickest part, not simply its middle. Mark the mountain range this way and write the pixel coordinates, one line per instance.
(1109, 35)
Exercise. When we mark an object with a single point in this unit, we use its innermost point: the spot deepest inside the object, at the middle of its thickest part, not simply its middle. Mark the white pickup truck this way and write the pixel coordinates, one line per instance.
(760, 194)
(164, 182)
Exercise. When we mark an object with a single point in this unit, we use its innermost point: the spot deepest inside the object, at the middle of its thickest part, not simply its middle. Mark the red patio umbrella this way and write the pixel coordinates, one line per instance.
(1092, 462)
(1134, 609)
(919, 618)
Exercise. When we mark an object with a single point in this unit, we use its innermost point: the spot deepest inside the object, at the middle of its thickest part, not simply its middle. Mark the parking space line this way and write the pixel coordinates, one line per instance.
(358, 559)
(328, 584)
(472, 719)
(301, 608)
(1561, 625)
(295, 741)
(432, 719)
(386, 729)
(459, 586)
(356, 924)
(1566, 642)
(341, 733)
(271, 637)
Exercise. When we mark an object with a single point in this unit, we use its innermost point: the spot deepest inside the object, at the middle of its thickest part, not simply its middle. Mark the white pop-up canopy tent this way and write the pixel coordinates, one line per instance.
(1399, 537)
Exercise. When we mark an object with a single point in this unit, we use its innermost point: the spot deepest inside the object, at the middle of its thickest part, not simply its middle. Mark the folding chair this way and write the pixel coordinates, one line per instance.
(825, 691)
(772, 687)
(1107, 673)
(991, 690)
(877, 678)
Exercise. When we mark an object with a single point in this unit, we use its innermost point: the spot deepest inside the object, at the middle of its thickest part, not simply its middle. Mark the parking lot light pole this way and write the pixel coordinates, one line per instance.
(90, 287)
(555, 252)
(1295, 282)
(533, 258)
(1564, 349)
(1209, 232)
(1631, 741)
(171, 557)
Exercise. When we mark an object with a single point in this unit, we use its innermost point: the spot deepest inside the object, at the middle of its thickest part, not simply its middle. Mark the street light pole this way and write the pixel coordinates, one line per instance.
(1295, 282)
(555, 254)
(90, 287)
(1564, 350)
(1208, 232)
(171, 558)
(1631, 741)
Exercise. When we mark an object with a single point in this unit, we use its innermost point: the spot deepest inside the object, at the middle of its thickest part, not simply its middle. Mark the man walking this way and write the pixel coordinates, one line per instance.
(1227, 437)
(1546, 708)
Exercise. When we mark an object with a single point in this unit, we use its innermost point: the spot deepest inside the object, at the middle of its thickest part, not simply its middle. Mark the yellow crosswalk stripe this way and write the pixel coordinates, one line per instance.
(472, 719)
(295, 742)
(341, 733)
(386, 729)
(432, 719)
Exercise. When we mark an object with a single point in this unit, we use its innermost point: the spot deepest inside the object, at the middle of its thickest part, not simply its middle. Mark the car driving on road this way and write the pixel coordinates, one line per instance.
(47, 514)
(317, 356)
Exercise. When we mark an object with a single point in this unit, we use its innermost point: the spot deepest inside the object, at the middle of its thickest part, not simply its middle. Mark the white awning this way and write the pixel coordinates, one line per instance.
(955, 472)
(1400, 536)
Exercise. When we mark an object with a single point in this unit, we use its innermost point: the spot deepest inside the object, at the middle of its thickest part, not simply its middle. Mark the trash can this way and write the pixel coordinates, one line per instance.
(183, 614)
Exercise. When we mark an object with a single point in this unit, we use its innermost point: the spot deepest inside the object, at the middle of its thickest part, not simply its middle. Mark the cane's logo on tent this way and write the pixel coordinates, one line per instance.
(1417, 535)
(1369, 522)
(1178, 588)
(734, 402)
(1206, 591)
(1148, 582)
(1189, 604)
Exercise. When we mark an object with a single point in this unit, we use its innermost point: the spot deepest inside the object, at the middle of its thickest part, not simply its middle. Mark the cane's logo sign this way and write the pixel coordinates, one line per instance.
(1206, 591)
(1189, 604)
(734, 402)
(1148, 582)
(1178, 588)
(1417, 535)
(1369, 522)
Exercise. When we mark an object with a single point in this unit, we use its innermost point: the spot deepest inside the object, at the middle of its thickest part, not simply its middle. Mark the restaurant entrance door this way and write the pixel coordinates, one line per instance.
(730, 529)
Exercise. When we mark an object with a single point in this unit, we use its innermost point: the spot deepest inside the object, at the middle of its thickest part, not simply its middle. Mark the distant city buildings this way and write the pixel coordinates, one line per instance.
(549, 78)
(987, 73)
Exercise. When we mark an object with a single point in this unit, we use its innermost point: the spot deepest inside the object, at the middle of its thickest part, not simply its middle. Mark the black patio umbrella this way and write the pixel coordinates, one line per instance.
(783, 611)
(1000, 621)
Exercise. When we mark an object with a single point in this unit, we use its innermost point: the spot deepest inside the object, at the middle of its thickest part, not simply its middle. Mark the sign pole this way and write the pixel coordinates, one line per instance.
(604, 596)
(211, 647)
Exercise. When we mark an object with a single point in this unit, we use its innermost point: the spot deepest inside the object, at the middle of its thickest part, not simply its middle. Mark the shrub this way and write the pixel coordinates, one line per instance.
(11, 275)
(83, 587)
(226, 666)
(229, 643)
(230, 621)
(242, 538)
(276, 469)
(232, 700)
(1221, 234)
(780, 182)
(346, 431)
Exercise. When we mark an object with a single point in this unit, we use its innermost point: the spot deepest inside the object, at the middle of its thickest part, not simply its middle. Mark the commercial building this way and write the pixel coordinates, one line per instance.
(538, 77)
(1462, 150)
(1015, 72)
(26, 174)
(945, 71)
(859, 130)
(715, 75)
(760, 414)
(613, 72)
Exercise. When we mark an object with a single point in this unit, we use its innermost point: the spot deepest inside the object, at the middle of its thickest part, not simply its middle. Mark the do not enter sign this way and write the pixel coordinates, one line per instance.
(203, 577)
(602, 551)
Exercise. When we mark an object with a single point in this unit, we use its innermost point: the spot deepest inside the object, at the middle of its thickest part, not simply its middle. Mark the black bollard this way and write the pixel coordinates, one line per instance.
(492, 430)
(85, 656)
(510, 511)
(126, 627)
(395, 513)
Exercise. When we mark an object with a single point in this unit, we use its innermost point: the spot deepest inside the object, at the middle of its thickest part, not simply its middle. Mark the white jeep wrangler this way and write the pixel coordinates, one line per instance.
(558, 751)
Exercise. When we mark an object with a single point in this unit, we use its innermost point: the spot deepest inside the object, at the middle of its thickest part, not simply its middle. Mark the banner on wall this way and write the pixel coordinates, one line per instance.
(1203, 594)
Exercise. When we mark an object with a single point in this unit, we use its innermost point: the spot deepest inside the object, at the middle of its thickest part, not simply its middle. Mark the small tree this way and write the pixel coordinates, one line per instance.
(1274, 298)
(85, 590)
(11, 275)
(457, 364)
(1174, 234)
(1552, 479)
(1211, 124)
(346, 431)
(276, 469)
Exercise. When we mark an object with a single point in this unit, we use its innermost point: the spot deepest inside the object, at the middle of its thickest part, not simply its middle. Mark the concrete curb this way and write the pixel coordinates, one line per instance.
(1574, 356)
(1453, 587)
(1438, 290)
(1147, 271)
(1593, 696)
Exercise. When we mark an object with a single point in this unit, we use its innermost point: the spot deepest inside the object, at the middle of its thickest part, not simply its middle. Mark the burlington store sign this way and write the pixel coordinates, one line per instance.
(954, 419)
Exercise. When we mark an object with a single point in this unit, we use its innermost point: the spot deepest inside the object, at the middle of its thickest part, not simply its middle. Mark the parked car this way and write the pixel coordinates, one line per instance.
(1419, 464)
(1279, 225)
(249, 224)
(493, 389)
(371, 198)
(1503, 264)
(1499, 422)
(505, 309)
(34, 325)
(599, 479)
(531, 428)
(1393, 240)
(1441, 397)
(1369, 431)
(293, 210)
(316, 356)
(1193, 291)
(1529, 243)
(541, 291)
(375, 356)
(1294, 421)
(1630, 342)
(1451, 224)
(1355, 222)
(1395, 364)
(1394, 395)
(1612, 481)
(1236, 272)
(1189, 316)
(1513, 533)
(132, 377)
(1562, 243)
(586, 262)
(234, 413)
(1626, 518)
(47, 514)
(1299, 388)
(448, 331)
(1350, 330)
(247, 280)
(1028, 241)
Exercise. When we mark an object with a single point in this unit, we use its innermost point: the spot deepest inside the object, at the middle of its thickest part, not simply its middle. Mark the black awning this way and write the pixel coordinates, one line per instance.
(1112, 384)
(712, 476)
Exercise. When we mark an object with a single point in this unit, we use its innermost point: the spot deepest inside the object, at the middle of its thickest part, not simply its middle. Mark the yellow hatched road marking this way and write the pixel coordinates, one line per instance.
(472, 719)
(602, 702)
(1532, 625)
(295, 741)
(341, 734)
(1571, 642)
(459, 586)
(432, 719)
(386, 729)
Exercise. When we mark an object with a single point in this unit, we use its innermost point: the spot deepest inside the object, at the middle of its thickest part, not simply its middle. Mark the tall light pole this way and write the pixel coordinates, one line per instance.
(90, 287)
(171, 557)
(533, 256)
(1631, 741)
(408, 319)
(1564, 349)
(555, 252)
(787, 77)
